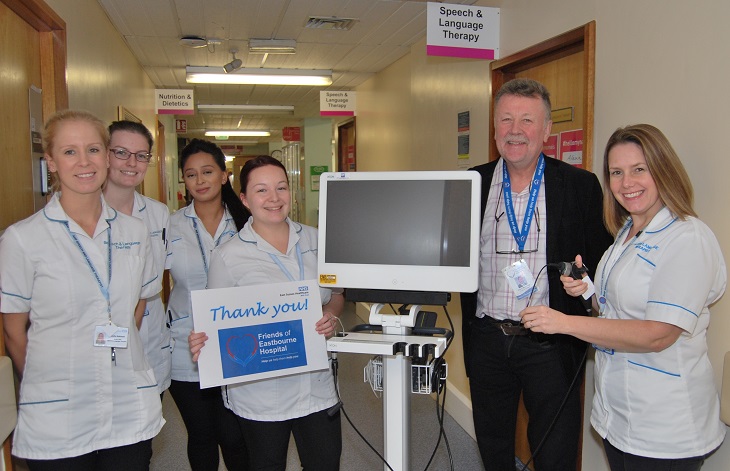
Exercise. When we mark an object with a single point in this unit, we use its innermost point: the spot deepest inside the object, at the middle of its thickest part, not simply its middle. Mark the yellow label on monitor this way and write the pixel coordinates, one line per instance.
(327, 279)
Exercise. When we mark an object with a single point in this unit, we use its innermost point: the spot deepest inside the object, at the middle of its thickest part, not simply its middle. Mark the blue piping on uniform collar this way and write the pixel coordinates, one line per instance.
(297, 229)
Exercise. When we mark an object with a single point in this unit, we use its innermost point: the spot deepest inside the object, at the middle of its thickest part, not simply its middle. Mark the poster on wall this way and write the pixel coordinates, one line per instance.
(571, 147)
(315, 172)
(463, 129)
(258, 332)
(550, 147)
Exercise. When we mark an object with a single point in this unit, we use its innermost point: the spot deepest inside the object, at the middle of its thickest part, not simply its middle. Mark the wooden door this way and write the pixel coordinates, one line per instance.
(33, 51)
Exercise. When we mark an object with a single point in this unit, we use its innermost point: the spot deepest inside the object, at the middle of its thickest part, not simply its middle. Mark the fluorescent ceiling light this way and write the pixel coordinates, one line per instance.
(253, 76)
(272, 46)
(235, 142)
(238, 132)
(246, 109)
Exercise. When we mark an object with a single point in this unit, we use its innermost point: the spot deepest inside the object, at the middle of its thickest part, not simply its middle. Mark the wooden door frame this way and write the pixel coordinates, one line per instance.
(581, 39)
(52, 35)
(52, 32)
(162, 183)
(342, 156)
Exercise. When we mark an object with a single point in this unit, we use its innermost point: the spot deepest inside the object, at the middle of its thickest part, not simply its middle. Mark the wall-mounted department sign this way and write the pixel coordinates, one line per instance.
(337, 103)
(174, 101)
(462, 31)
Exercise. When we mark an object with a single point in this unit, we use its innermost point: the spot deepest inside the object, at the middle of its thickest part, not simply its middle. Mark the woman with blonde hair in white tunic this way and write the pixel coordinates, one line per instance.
(74, 278)
(655, 406)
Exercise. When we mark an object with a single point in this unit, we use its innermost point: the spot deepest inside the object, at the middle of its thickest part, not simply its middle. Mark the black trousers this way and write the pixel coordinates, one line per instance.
(135, 457)
(621, 461)
(318, 437)
(501, 367)
(209, 425)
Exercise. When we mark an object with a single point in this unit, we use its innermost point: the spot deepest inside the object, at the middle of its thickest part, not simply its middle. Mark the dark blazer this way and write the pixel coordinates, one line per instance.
(574, 207)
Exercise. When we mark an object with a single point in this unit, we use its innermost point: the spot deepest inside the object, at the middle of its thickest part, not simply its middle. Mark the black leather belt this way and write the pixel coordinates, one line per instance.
(514, 328)
(510, 329)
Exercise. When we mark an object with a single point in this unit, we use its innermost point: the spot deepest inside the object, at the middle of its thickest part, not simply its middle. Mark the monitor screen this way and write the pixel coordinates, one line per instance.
(415, 231)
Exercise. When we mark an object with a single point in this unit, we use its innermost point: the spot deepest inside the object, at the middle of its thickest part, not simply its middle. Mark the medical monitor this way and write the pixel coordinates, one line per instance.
(409, 231)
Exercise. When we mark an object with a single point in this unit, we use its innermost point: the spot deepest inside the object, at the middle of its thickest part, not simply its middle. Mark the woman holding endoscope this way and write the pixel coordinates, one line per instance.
(656, 405)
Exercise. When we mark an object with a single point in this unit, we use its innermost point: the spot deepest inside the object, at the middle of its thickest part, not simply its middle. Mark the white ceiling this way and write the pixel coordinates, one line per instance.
(384, 32)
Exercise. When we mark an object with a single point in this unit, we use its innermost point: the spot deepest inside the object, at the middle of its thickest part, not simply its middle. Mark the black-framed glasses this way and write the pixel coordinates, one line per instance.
(498, 217)
(124, 154)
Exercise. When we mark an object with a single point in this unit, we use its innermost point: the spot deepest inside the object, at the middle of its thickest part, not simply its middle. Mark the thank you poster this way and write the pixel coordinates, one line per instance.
(258, 332)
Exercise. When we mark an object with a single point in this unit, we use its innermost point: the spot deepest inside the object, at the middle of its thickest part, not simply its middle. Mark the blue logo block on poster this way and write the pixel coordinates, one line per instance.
(261, 348)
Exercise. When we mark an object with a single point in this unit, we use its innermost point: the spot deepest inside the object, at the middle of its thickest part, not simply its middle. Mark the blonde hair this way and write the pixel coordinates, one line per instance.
(51, 127)
(667, 171)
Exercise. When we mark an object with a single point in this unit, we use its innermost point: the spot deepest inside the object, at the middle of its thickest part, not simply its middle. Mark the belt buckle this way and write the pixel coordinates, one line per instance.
(510, 329)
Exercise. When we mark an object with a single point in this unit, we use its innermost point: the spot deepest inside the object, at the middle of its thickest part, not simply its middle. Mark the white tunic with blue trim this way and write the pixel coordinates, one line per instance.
(246, 261)
(188, 268)
(155, 328)
(664, 404)
(73, 399)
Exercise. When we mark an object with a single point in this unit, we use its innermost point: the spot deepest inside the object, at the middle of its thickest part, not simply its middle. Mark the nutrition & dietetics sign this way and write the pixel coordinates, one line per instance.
(172, 101)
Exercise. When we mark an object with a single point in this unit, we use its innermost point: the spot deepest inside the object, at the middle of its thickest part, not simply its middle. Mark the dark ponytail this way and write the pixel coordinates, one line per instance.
(233, 203)
(230, 199)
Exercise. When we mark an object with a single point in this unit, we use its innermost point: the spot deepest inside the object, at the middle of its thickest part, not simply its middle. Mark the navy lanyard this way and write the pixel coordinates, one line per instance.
(283, 268)
(200, 243)
(104, 289)
(521, 236)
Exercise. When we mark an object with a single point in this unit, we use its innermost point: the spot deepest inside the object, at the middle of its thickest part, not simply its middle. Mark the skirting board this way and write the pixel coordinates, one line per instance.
(459, 407)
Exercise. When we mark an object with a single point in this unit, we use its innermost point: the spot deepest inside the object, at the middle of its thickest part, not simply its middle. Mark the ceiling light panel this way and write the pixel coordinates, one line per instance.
(252, 76)
(246, 109)
(238, 132)
(272, 46)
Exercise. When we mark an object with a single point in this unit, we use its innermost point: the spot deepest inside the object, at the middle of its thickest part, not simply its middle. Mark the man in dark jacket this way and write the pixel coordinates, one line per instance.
(535, 211)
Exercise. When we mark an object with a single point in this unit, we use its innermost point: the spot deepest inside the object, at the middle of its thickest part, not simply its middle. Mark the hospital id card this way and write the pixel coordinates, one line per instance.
(520, 279)
(110, 335)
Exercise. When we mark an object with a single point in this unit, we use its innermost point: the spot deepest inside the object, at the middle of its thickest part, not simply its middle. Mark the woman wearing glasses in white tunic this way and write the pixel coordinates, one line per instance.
(129, 149)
